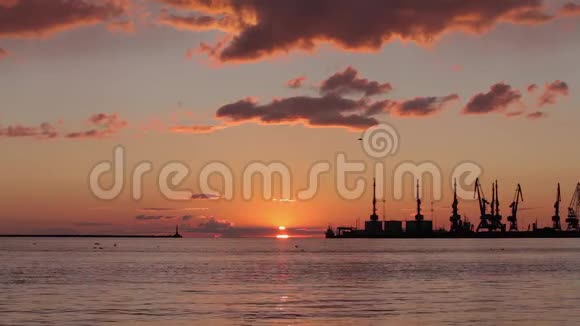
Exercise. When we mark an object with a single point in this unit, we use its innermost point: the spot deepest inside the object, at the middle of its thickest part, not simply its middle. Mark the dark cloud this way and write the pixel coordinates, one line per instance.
(536, 115)
(92, 224)
(153, 217)
(333, 108)
(422, 106)
(570, 9)
(205, 196)
(268, 28)
(213, 224)
(552, 91)
(514, 114)
(296, 82)
(186, 217)
(498, 99)
(348, 82)
(532, 88)
(38, 18)
(102, 124)
(168, 209)
(326, 111)
(157, 209)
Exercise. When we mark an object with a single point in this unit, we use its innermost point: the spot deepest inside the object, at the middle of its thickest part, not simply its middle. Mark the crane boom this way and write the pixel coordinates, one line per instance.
(513, 219)
(480, 197)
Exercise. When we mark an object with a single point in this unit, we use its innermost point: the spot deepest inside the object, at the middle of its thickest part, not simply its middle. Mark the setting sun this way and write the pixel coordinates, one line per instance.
(281, 228)
(282, 236)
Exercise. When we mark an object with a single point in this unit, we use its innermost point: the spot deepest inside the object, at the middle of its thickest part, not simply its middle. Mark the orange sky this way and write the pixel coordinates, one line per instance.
(492, 83)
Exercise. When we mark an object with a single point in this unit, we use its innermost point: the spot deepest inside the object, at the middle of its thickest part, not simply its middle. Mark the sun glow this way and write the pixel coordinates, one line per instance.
(282, 236)
(281, 228)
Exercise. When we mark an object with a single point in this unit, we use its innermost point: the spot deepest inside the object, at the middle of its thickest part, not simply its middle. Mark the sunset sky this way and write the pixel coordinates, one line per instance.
(297, 82)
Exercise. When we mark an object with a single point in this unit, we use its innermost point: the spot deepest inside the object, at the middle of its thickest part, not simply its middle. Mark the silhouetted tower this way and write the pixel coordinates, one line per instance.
(418, 217)
(493, 199)
(374, 216)
(177, 235)
(455, 217)
(497, 217)
(573, 209)
(556, 217)
(497, 202)
(513, 219)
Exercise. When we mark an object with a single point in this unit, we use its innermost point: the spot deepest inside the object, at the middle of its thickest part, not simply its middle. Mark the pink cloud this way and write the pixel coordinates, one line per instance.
(43, 131)
(296, 82)
(196, 129)
(102, 124)
(552, 91)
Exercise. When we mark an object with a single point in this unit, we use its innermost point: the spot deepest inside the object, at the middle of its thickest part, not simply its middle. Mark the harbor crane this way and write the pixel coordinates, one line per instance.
(496, 217)
(573, 210)
(482, 205)
(513, 219)
(490, 222)
(556, 217)
(455, 219)
(480, 198)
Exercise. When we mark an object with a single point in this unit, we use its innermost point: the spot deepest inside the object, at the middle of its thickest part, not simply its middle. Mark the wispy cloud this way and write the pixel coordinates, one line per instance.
(100, 125)
(154, 217)
(296, 82)
(171, 209)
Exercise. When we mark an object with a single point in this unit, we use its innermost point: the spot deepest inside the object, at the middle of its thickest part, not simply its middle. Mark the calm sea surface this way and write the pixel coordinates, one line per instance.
(293, 281)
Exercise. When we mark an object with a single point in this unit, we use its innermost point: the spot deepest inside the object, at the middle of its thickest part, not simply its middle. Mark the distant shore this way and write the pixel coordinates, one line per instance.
(82, 236)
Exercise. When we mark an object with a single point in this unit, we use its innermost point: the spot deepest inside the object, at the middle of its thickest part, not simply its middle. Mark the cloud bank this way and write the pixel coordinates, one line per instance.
(266, 28)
